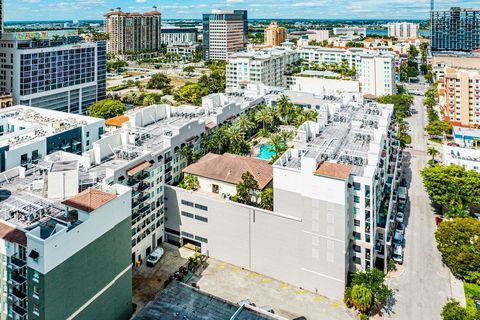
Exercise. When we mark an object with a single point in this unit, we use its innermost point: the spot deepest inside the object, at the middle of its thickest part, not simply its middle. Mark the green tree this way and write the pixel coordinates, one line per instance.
(362, 298)
(438, 128)
(236, 138)
(188, 153)
(149, 100)
(283, 108)
(433, 152)
(244, 123)
(189, 182)
(458, 241)
(159, 81)
(246, 189)
(374, 280)
(263, 116)
(454, 311)
(107, 108)
(189, 70)
(444, 183)
(266, 199)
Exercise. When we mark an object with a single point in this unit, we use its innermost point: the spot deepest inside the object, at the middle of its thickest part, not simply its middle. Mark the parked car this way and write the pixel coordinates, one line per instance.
(398, 254)
(400, 227)
(155, 256)
(399, 217)
(398, 238)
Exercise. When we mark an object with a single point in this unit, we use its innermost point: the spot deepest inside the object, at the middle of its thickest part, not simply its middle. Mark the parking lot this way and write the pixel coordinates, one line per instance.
(235, 284)
(149, 281)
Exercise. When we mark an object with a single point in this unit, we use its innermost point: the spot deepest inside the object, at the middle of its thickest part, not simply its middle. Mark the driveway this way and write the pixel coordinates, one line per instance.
(423, 287)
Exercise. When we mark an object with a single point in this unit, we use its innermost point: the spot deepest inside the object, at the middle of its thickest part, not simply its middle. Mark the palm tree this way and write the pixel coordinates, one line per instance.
(432, 151)
(286, 136)
(263, 116)
(217, 141)
(278, 144)
(283, 107)
(271, 115)
(244, 123)
(236, 137)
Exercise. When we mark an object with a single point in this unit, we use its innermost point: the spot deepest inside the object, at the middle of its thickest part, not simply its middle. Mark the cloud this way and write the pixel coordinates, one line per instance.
(140, 1)
(235, 1)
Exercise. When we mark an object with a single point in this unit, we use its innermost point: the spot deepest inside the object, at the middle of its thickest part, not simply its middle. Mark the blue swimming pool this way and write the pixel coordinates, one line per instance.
(267, 151)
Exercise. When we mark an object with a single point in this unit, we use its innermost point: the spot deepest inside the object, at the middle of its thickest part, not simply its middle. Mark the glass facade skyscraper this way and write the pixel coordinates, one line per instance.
(457, 29)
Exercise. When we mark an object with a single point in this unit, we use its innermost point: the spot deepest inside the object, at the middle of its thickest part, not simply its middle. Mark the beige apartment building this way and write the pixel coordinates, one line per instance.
(459, 92)
(274, 34)
(132, 33)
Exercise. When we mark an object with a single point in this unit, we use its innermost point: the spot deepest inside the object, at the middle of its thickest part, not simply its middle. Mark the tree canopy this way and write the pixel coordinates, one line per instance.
(161, 82)
(452, 186)
(458, 241)
(107, 108)
(438, 128)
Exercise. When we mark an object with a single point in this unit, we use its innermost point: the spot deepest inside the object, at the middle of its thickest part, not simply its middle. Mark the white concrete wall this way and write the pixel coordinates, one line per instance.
(13, 156)
(62, 245)
(322, 86)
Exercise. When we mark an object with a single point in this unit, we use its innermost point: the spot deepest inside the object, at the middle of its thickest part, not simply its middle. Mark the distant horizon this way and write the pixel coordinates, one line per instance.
(51, 10)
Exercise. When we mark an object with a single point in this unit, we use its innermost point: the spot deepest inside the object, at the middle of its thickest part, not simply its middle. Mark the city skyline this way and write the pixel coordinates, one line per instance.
(25, 10)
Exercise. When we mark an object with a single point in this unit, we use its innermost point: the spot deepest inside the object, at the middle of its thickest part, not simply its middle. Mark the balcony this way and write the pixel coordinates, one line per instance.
(19, 294)
(17, 263)
(21, 311)
(168, 169)
(18, 279)
(143, 186)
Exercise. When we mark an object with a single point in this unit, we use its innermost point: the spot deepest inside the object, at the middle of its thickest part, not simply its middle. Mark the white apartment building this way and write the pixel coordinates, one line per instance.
(375, 71)
(268, 67)
(317, 35)
(403, 30)
(28, 134)
(334, 203)
(323, 83)
(183, 49)
(224, 32)
(376, 74)
(465, 157)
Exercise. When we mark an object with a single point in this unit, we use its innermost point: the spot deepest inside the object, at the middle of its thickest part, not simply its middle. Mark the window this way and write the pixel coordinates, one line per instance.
(357, 235)
(356, 223)
(355, 211)
(357, 260)
(87, 134)
(201, 239)
(36, 308)
(187, 214)
(186, 234)
(215, 188)
(187, 203)
(356, 199)
(356, 186)
(200, 218)
(36, 292)
(201, 207)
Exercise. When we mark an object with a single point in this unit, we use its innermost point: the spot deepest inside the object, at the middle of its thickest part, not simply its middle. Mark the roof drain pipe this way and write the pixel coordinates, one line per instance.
(235, 315)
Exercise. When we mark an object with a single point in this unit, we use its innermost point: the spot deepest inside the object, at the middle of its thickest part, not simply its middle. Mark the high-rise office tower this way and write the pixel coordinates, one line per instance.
(133, 32)
(224, 32)
(457, 29)
(275, 35)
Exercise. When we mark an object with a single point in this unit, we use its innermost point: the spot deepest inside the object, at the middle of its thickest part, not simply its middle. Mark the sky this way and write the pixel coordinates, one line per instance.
(25, 10)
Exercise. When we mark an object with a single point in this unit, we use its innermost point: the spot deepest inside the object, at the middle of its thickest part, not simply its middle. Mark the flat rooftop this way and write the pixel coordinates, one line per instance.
(180, 301)
(23, 124)
(345, 139)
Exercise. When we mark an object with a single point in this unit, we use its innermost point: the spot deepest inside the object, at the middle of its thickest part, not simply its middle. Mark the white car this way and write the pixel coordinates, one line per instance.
(155, 256)
(400, 217)
(398, 238)
(398, 254)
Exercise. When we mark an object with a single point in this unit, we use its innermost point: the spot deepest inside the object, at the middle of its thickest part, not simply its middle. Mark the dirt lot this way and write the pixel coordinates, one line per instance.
(148, 281)
(235, 284)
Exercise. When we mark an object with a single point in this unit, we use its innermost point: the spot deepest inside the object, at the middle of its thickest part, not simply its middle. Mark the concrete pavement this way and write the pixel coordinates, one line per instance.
(424, 286)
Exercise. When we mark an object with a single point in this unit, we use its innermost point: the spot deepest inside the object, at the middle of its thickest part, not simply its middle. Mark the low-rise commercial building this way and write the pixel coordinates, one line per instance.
(466, 137)
(465, 157)
(183, 49)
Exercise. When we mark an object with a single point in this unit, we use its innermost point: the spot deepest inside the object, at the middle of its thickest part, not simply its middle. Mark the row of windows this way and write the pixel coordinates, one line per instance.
(196, 205)
(192, 216)
(191, 236)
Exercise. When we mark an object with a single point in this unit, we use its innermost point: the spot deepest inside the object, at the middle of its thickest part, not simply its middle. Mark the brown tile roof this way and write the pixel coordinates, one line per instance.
(89, 200)
(211, 125)
(139, 167)
(116, 121)
(334, 170)
(12, 234)
(229, 168)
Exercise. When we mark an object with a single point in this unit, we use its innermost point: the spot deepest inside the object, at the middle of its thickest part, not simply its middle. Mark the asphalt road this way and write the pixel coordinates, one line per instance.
(424, 286)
